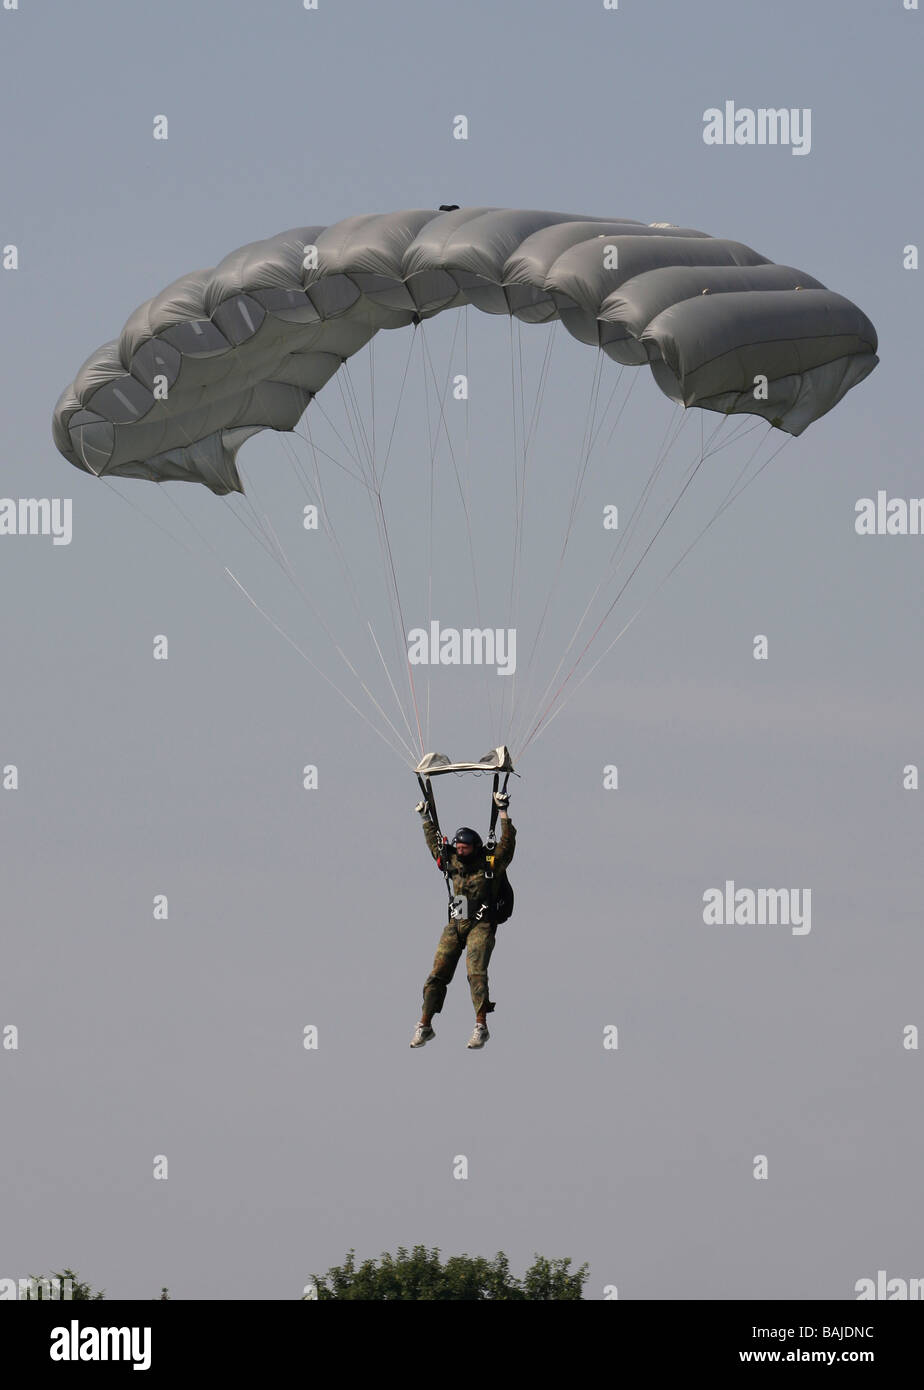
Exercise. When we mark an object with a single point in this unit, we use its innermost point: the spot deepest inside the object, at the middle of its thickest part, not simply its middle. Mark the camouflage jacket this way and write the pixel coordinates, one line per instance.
(468, 876)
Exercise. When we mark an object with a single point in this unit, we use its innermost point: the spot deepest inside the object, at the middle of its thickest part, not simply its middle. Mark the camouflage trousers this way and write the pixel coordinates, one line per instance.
(477, 940)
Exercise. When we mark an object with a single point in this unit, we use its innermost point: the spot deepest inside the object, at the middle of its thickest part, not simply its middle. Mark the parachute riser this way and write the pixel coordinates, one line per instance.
(427, 790)
(491, 841)
(428, 797)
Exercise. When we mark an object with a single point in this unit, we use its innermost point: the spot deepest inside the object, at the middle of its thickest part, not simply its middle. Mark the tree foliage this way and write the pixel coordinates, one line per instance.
(419, 1277)
(80, 1290)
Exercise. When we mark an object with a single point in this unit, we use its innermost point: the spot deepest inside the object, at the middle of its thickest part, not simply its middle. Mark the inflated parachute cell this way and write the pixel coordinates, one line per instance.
(223, 353)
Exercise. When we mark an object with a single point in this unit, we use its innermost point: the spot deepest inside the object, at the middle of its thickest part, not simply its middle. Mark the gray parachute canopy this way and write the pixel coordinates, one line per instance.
(221, 354)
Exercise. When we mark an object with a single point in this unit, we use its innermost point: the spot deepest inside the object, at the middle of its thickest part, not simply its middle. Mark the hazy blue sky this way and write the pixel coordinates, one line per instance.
(290, 908)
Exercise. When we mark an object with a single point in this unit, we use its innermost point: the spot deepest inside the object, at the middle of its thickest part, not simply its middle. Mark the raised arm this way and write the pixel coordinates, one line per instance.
(506, 844)
(434, 842)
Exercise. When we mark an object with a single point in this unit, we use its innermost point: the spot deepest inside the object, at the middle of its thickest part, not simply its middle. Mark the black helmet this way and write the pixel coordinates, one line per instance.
(466, 836)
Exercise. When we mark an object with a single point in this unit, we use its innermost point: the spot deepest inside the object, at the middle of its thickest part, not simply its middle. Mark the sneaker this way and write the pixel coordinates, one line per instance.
(422, 1034)
(479, 1036)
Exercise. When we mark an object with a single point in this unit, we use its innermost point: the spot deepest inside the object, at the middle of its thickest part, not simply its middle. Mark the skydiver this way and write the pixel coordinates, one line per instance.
(471, 930)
